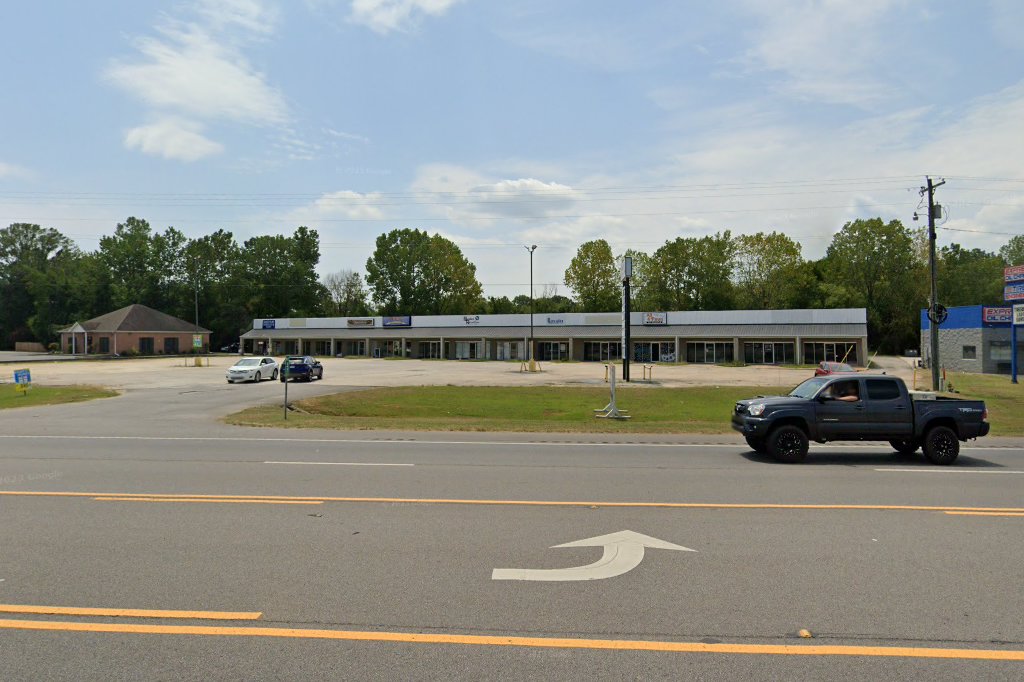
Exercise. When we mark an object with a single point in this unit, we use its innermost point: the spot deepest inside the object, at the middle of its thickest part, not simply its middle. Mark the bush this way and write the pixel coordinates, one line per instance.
(53, 347)
(129, 353)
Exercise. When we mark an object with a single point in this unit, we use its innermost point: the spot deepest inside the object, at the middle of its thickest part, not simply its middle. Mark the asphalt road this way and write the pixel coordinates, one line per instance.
(371, 555)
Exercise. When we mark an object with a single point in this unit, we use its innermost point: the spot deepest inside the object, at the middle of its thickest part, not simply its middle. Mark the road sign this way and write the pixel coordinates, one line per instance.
(1018, 314)
(1013, 292)
(1013, 274)
(623, 551)
(22, 380)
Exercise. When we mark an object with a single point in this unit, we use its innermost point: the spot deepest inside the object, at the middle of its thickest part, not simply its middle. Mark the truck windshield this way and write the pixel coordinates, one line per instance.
(808, 388)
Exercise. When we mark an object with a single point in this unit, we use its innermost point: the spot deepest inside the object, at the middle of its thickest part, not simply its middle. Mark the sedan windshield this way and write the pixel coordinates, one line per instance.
(808, 388)
(248, 362)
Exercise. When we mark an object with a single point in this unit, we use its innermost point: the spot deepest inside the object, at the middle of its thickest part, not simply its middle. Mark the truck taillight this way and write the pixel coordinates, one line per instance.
(984, 415)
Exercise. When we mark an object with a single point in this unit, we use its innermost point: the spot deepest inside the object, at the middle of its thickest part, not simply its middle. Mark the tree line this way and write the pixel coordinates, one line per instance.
(47, 281)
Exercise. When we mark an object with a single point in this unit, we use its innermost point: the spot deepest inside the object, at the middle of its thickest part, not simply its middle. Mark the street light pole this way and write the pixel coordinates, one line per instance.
(529, 352)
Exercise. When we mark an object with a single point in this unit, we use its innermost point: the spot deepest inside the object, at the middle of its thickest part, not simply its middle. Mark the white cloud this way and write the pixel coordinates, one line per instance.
(192, 72)
(331, 207)
(188, 70)
(826, 50)
(251, 15)
(469, 198)
(172, 138)
(384, 16)
(1008, 22)
(9, 170)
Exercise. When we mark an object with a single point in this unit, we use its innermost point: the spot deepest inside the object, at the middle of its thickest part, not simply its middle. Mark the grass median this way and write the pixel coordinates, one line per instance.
(1003, 399)
(50, 395)
(550, 409)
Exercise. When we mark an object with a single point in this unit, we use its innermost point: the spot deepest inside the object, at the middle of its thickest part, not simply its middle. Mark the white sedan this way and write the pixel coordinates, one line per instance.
(252, 369)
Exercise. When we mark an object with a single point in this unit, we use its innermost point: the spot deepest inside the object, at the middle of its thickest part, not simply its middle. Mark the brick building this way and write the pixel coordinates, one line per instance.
(137, 328)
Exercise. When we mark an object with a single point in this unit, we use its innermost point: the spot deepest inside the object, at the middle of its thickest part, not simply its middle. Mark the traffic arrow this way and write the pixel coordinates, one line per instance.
(623, 551)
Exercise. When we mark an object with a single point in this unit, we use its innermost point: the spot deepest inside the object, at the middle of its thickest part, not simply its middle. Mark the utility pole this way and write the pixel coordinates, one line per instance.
(936, 313)
(529, 351)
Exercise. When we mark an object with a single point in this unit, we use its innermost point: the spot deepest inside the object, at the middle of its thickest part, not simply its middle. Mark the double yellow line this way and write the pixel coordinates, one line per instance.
(450, 639)
(287, 499)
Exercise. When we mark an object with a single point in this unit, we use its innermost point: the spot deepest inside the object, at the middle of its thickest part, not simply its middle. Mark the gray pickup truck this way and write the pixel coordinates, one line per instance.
(859, 407)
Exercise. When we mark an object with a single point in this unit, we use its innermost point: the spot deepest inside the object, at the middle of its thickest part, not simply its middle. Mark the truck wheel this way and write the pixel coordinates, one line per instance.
(907, 446)
(941, 446)
(787, 444)
(756, 444)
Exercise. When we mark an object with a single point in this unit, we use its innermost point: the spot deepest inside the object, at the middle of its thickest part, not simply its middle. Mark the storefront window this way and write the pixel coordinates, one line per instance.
(709, 352)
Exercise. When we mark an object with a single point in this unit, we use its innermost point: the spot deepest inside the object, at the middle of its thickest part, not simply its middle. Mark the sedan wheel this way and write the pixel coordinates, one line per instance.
(258, 377)
(274, 376)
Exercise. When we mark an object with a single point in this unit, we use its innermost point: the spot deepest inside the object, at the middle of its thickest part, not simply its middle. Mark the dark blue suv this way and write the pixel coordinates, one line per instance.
(301, 368)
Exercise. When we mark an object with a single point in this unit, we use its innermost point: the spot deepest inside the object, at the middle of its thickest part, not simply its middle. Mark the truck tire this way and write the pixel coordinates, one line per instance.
(787, 444)
(906, 446)
(756, 444)
(941, 446)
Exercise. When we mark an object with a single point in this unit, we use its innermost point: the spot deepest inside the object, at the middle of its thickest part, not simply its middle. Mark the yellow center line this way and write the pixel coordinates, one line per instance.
(983, 513)
(536, 642)
(526, 503)
(209, 500)
(128, 613)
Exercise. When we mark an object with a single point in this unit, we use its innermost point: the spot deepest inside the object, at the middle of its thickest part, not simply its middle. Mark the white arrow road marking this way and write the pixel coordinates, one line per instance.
(623, 551)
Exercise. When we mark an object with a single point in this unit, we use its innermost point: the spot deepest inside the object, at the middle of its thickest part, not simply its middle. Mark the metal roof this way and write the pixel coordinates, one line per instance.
(690, 331)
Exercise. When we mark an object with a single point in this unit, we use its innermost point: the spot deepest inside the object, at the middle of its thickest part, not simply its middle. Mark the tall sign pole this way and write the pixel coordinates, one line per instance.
(936, 313)
(529, 352)
(1013, 291)
(627, 274)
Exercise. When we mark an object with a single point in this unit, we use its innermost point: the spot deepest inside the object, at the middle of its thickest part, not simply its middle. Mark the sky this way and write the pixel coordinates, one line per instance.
(502, 125)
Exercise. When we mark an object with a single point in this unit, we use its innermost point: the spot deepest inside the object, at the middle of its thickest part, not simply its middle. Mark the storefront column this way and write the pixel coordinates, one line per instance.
(798, 352)
(736, 355)
(444, 356)
(486, 350)
(332, 347)
(679, 351)
(571, 344)
(402, 341)
(366, 348)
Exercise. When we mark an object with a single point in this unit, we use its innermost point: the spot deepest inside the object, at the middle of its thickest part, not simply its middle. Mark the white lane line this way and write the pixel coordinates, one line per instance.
(351, 464)
(406, 441)
(951, 471)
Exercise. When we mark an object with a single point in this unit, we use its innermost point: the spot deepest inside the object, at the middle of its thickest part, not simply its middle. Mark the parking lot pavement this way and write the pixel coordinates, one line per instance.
(128, 373)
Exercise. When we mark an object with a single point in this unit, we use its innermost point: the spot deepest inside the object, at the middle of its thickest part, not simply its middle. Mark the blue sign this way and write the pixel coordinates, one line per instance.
(1013, 292)
(398, 321)
(22, 376)
(270, 324)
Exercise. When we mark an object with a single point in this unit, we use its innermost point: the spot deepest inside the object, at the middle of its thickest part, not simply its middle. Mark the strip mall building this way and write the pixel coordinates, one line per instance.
(750, 336)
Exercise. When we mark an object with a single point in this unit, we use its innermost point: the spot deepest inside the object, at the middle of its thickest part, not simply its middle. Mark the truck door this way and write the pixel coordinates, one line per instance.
(843, 416)
(889, 409)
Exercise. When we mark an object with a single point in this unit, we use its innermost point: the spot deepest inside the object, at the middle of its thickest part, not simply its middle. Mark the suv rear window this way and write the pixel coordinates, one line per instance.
(883, 389)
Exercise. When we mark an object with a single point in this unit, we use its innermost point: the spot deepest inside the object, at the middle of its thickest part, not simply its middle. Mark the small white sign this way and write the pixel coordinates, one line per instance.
(1018, 314)
(655, 318)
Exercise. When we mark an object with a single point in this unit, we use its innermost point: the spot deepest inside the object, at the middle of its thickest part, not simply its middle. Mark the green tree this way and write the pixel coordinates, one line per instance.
(348, 295)
(27, 252)
(411, 272)
(692, 274)
(969, 277)
(876, 265)
(767, 269)
(593, 277)
(1013, 251)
